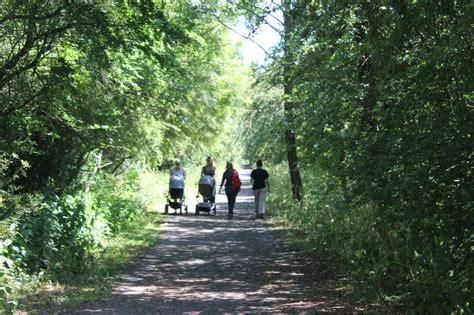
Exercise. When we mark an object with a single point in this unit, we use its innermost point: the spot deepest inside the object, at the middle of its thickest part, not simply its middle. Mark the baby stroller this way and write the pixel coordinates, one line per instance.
(207, 189)
(175, 197)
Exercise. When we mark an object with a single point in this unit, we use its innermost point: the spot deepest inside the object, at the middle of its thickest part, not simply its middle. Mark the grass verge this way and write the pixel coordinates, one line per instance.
(97, 280)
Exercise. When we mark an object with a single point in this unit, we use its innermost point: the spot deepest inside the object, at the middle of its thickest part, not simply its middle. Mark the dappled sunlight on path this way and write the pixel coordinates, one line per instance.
(208, 264)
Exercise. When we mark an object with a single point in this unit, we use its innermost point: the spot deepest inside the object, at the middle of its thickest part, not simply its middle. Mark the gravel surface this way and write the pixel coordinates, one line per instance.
(212, 265)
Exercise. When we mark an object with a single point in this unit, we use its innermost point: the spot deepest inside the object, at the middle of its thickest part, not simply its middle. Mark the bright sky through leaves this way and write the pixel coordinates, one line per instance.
(266, 36)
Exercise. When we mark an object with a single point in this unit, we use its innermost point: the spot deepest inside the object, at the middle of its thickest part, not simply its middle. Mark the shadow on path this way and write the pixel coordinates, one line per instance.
(208, 264)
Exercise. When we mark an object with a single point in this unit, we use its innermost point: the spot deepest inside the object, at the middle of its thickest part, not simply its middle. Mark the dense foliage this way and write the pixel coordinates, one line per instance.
(96, 97)
(383, 94)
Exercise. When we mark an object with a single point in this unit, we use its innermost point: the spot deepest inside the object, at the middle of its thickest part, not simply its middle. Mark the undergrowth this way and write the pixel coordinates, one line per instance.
(394, 262)
(96, 280)
(63, 247)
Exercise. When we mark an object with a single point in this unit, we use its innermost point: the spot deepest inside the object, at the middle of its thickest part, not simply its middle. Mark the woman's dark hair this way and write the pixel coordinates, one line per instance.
(229, 165)
(259, 163)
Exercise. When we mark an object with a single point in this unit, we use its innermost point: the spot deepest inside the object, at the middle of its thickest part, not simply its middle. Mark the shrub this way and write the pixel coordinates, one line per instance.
(396, 261)
(57, 237)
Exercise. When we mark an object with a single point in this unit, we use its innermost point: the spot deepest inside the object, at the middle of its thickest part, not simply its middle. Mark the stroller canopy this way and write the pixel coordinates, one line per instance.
(206, 186)
(176, 182)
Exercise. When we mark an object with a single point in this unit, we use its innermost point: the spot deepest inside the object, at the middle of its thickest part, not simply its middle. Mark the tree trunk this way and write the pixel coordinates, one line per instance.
(366, 68)
(290, 137)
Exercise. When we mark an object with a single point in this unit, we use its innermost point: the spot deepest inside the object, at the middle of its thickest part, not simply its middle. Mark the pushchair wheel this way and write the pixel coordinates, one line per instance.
(166, 209)
(215, 210)
(186, 209)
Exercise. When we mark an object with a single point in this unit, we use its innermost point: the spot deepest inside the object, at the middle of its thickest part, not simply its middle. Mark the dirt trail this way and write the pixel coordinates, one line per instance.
(211, 265)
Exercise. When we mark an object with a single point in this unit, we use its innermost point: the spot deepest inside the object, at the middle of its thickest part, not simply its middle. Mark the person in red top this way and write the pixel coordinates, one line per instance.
(230, 192)
(261, 187)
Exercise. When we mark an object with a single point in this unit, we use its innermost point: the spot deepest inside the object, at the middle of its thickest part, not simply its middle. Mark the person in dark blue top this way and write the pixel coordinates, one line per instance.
(261, 187)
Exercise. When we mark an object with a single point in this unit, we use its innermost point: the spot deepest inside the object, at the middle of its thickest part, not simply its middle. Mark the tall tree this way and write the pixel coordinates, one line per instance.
(290, 136)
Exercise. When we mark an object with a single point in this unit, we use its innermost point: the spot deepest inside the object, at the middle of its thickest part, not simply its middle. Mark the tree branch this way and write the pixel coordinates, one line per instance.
(244, 36)
(6, 75)
(267, 12)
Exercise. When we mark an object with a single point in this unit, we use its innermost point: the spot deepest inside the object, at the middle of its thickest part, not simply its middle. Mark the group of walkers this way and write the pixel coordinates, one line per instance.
(258, 177)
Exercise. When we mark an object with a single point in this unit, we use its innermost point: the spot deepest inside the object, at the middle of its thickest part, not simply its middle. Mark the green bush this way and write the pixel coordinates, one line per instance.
(56, 237)
(52, 235)
(116, 199)
(399, 261)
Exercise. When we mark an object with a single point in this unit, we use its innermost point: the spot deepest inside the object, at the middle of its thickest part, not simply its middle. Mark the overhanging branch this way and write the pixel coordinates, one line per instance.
(238, 33)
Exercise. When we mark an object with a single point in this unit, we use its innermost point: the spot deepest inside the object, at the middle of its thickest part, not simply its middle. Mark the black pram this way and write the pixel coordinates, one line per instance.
(175, 198)
(207, 189)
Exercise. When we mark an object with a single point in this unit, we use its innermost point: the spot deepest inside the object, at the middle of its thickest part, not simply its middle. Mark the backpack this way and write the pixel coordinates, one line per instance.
(236, 181)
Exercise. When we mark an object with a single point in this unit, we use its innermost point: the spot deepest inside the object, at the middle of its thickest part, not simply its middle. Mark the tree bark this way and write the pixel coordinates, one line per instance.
(290, 136)
(368, 30)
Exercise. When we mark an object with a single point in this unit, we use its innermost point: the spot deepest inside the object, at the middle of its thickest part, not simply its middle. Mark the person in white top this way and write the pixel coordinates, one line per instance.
(178, 170)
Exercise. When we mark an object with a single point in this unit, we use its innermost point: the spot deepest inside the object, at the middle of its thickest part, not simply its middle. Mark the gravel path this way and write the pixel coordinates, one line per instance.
(211, 265)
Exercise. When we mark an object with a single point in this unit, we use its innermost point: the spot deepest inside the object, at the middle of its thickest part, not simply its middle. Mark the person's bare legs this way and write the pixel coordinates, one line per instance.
(262, 196)
(256, 194)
